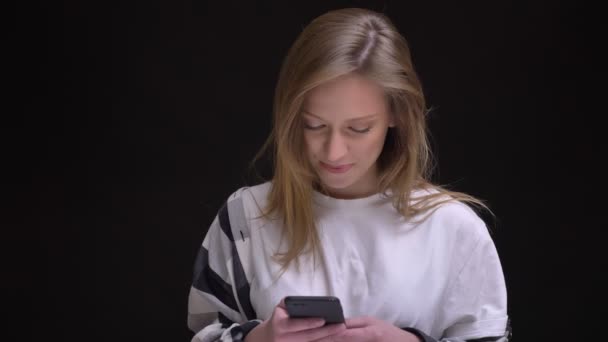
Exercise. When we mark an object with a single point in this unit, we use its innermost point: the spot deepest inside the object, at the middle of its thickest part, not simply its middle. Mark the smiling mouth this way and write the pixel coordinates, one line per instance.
(336, 169)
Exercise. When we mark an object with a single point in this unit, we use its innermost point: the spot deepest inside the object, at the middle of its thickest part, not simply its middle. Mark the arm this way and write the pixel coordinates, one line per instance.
(474, 308)
(219, 308)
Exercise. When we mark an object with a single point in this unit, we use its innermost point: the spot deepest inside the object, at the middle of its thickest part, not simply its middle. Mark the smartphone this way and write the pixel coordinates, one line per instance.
(326, 307)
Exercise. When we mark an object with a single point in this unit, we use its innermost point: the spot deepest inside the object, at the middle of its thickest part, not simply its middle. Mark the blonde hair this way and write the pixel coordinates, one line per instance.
(334, 44)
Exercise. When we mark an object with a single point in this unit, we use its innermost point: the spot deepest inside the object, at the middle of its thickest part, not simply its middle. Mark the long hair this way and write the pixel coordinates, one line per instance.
(334, 44)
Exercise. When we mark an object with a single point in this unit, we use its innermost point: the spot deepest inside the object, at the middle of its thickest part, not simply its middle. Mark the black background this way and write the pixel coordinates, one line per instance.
(135, 120)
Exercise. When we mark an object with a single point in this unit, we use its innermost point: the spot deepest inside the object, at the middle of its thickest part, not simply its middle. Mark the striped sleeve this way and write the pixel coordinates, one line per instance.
(219, 307)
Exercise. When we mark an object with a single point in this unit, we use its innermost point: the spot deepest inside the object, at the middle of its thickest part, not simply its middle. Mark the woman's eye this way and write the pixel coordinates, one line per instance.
(360, 130)
(313, 127)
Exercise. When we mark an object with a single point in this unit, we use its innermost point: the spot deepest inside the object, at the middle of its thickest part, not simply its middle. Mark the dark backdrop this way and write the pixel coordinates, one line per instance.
(136, 120)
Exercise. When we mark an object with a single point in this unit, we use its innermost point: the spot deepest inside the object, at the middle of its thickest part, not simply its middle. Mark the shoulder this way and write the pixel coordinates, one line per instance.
(457, 235)
(247, 194)
(452, 217)
(453, 226)
(455, 213)
(232, 219)
(247, 200)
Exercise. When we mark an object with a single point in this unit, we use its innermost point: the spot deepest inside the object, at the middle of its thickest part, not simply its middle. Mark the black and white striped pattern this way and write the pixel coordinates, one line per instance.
(219, 304)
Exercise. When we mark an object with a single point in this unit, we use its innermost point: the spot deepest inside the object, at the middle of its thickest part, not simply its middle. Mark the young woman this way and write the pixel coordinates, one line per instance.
(350, 211)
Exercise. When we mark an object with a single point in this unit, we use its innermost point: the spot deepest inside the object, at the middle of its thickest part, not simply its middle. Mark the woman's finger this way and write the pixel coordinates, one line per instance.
(358, 322)
(282, 303)
(292, 325)
(319, 333)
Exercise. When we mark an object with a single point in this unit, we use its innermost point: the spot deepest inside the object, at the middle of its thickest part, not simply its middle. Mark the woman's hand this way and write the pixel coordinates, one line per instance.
(281, 328)
(368, 329)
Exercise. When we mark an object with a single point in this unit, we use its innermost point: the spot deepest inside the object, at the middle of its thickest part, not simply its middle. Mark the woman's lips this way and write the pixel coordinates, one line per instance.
(336, 169)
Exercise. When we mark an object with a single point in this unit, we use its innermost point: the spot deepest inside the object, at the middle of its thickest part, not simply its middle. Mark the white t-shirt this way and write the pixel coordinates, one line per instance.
(442, 276)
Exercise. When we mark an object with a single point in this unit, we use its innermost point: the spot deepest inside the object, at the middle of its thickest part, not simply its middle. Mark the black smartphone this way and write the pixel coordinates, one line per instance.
(326, 307)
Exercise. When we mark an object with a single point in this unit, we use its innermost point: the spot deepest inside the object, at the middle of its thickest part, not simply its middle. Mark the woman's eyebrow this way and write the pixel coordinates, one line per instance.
(352, 119)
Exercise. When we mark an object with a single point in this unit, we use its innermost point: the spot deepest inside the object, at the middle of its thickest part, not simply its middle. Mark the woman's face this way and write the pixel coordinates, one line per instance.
(345, 125)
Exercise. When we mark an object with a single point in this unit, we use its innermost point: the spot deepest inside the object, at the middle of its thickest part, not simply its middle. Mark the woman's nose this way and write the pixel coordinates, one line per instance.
(336, 147)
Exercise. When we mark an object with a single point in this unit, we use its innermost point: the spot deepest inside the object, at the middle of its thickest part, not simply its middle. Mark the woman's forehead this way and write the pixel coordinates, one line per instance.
(352, 95)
